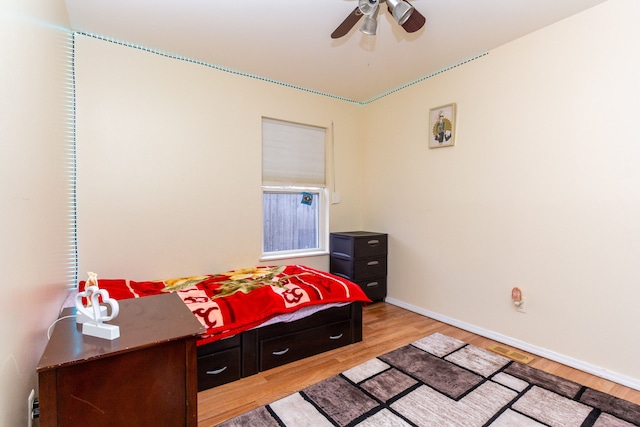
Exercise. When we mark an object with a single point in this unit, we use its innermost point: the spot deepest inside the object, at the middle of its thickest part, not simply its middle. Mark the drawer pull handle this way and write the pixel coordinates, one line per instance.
(372, 284)
(373, 242)
(280, 353)
(373, 263)
(217, 371)
(336, 337)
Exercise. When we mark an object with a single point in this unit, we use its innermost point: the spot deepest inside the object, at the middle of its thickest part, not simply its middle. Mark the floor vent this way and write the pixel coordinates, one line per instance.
(511, 353)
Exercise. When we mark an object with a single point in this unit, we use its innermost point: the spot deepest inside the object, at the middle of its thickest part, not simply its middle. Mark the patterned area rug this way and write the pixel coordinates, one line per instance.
(441, 381)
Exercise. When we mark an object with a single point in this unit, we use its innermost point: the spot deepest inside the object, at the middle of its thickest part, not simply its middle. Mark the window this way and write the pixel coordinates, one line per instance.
(293, 189)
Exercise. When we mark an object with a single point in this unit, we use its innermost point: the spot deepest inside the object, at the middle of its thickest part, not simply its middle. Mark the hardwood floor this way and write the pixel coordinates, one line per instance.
(385, 328)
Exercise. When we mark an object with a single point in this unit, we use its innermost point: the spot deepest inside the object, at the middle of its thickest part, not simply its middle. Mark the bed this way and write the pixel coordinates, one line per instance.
(258, 318)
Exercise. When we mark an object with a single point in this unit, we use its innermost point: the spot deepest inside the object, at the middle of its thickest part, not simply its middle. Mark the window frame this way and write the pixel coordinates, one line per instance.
(286, 146)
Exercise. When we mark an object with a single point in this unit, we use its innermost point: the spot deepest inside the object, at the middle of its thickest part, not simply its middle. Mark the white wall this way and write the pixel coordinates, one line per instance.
(33, 191)
(140, 113)
(541, 191)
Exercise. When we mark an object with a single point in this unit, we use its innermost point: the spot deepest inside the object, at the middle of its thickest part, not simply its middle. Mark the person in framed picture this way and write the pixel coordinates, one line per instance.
(442, 134)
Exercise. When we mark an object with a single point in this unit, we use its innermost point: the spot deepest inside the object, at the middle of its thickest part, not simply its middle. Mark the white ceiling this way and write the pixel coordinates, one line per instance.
(289, 41)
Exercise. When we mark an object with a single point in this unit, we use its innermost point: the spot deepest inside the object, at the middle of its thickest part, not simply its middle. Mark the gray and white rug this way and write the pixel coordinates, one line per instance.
(441, 381)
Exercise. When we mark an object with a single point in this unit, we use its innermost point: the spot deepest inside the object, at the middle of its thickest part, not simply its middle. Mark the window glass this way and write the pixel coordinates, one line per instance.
(291, 220)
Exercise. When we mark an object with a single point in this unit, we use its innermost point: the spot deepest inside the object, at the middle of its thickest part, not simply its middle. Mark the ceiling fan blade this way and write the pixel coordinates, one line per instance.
(415, 22)
(347, 24)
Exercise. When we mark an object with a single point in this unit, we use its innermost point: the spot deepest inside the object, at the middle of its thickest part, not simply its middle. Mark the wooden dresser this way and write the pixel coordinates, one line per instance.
(146, 377)
(361, 256)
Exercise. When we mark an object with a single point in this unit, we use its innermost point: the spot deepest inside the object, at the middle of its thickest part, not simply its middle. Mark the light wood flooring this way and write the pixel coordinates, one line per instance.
(385, 328)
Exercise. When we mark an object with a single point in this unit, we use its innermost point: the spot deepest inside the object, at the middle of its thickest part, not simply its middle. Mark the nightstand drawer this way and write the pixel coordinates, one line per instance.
(359, 269)
(358, 244)
(376, 289)
(371, 267)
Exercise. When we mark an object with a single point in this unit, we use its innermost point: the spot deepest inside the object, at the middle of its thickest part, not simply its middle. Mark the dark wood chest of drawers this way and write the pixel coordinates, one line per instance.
(361, 256)
(147, 376)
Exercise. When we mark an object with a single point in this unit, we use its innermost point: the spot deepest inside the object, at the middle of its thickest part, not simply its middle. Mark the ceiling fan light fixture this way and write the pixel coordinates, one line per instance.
(401, 10)
(370, 24)
(368, 7)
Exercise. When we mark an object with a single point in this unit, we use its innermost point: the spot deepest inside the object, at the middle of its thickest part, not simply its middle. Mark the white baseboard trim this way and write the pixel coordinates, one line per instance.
(539, 351)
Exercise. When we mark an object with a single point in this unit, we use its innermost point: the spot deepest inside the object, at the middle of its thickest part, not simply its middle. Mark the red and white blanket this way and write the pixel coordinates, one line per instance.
(232, 302)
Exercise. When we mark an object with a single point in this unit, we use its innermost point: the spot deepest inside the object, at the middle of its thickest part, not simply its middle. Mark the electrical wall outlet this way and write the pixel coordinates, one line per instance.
(30, 400)
(522, 307)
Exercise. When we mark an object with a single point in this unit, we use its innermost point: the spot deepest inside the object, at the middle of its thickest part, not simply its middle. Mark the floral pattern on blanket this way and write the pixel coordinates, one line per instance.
(243, 280)
(231, 302)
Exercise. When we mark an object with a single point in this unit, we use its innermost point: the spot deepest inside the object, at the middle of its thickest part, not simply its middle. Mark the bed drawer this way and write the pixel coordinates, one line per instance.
(218, 346)
(288, 348)
(219, 368)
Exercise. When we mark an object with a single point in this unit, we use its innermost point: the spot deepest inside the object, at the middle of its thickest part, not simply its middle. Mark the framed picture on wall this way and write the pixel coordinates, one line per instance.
(442, 126)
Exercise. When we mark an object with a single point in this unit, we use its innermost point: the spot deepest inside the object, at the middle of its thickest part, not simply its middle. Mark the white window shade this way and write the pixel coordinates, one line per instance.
(292, 154)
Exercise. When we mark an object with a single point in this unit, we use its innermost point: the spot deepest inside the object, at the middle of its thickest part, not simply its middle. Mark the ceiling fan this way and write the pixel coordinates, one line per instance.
(404, 14)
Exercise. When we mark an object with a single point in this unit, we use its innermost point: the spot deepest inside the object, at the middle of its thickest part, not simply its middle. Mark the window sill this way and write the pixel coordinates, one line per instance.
(291, 255)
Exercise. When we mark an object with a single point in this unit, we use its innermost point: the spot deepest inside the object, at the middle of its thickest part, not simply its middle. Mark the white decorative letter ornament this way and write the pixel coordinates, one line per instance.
(93, 314)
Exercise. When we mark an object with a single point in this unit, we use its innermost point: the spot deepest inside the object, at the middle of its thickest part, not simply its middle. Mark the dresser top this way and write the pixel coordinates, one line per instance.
(143, 322)
(359, 233)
